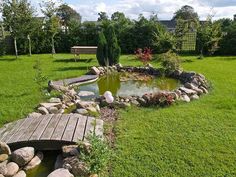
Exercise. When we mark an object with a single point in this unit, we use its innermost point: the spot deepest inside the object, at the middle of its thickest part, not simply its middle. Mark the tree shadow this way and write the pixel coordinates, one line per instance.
(227, 58)
(73, 68)
(187, 61)
(72, 60)
(7, 59)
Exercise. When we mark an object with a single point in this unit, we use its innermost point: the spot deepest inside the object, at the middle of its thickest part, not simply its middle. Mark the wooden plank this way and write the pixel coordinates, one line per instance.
(51, 127)
(14, 127)
(31, 128)
(80, 129)
(70, 128)
(89, 126)
(59, 130)
(99, 128)
(41, 127)
(17, 134)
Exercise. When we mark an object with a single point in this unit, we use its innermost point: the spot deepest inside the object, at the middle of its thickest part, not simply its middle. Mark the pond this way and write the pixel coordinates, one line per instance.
(130, 84)
(46, 167)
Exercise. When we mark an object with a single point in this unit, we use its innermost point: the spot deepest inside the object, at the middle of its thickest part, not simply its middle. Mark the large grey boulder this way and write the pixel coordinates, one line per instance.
(4, 148)
(23, 156)
(61, 172)
(12, 169)
(20, 174)
(35, 161)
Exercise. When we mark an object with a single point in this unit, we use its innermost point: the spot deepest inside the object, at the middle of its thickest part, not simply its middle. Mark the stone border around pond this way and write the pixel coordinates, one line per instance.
(193, 86)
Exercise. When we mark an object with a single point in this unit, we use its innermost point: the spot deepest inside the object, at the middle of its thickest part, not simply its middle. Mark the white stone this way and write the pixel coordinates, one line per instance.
(194, 97)
(49, 105)
(82, 111)
(61, 172)
(55, 100)
(185, 98)
(85, 93)
(34, 115)
(23, 155)
(53, 110)
(20, 174)
(95, 70)
(3, 167)
(12, 169)
(188, 91)
(4, 148)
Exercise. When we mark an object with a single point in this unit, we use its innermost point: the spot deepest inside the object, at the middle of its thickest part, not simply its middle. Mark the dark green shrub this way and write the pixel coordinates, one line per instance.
(170, 61)
(113, 47)
(102, 50)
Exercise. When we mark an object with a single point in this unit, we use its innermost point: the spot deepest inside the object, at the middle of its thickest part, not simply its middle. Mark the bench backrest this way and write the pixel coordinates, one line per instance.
(84, 50)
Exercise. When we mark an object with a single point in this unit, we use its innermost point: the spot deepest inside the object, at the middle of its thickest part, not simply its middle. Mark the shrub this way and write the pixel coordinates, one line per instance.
(163, 99)
(95, 156)
(102, 50)
(170, 61)
(144, 55)
(113, 47)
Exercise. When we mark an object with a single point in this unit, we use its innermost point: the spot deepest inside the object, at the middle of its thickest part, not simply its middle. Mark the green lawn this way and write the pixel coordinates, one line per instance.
(195, 139)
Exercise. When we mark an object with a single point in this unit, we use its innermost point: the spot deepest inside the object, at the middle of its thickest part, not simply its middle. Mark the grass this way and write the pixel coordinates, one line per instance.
(195, 139)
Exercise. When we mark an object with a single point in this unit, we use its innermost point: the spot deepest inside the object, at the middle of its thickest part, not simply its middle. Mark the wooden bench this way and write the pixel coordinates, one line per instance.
(77, 50)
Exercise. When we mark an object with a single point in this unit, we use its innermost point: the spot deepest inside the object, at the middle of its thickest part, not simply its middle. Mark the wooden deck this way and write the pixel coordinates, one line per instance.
(50, 132)
(77, 80)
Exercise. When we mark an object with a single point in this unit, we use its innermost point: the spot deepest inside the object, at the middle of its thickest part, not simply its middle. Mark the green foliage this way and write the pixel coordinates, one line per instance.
(39, 78)
(102, 56)
(95, 156)
(208, 36)
(170, 61)
(113, 47)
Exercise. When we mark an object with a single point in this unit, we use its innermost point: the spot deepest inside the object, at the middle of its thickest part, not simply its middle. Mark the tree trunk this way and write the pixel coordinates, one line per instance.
(29, 40)
(3, 32)
(15, 45)
(53, 46)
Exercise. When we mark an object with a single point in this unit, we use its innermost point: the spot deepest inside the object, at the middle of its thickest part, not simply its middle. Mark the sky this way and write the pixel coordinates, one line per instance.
(164, 8)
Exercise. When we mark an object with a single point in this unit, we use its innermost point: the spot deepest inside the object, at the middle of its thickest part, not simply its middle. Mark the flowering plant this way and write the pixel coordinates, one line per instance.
(145, 55)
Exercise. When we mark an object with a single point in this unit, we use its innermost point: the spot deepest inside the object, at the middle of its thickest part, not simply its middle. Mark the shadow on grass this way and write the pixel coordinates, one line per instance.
(14, 95)
(227, 58)
(7, 59)
(73, 68)
(72, 60)
(187, 61)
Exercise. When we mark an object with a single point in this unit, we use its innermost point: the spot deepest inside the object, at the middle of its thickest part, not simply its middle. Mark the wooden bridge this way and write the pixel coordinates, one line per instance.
(50, 132)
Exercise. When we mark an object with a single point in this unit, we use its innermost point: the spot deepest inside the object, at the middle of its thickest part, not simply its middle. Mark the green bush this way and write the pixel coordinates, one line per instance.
(113, 47)
(95, 156)
(102, 50)
(170, 61)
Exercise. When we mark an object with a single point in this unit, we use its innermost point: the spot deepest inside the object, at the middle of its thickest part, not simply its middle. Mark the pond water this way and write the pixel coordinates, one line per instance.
(127, 84)
(46, 167)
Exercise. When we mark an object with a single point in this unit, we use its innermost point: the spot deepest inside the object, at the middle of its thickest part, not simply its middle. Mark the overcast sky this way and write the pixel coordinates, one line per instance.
(164, 8)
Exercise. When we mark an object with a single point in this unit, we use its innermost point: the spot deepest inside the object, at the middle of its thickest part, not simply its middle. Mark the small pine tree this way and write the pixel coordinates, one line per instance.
(113, 47)
(102, 50)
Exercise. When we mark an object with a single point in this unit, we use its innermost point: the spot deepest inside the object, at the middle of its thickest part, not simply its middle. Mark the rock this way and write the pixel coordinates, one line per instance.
(85, 93)
(43, 110)
(20, 174)
(86, 146)
(4, 148)
(35, 161)
(118, 65)
(3, 157)
(93, 175)
(78, 168)
(86, 104)
(61, 172)
(95, 70)
(122, 104)
(191, 86)
(185, 98)
(142, 101)
(12, 169)
(59, 162)
(1, 175)
(82, 111)
(135, 102)
(70, 150)
(23, 155)
(174, 95)
(194, 97)
(149, 65)
(204, 89)
(3, 167)
(55, 100)
(49, 105)
(61, 111)
(188, 91)
(92, 109)
(34, 115)
(53, 110)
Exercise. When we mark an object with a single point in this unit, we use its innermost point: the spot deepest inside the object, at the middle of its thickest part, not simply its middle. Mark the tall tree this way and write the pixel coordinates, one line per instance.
(11, 17)
(102, 16)
(66, 14)
(49, 9)
(102, 50)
